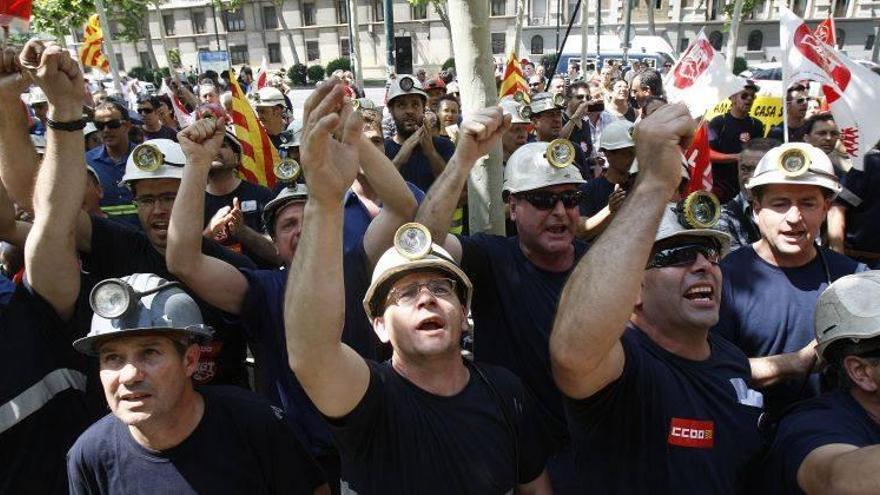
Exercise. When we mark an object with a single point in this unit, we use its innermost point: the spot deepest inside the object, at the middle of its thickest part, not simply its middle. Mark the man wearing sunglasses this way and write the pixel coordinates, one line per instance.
(655, 403)
(536, 84)
(796, 103)
(771, 287)
(109, 160)
(425, 421)
(518, 279)
(148, 109)
(727, 135)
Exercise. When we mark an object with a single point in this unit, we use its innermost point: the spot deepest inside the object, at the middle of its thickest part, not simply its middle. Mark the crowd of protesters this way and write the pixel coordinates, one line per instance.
(171, 327)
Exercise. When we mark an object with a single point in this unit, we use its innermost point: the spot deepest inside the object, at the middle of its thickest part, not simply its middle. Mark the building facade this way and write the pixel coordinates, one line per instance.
(320, 30)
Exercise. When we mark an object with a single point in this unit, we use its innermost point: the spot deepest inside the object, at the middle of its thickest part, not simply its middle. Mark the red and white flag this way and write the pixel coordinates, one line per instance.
(852, 90)
(700, 78)
(262, 76)
(825, 32)
(183, 117)
(15, 15)
(699, 166)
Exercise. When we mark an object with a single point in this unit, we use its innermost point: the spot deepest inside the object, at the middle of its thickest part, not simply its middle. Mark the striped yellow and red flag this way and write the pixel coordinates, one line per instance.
(258, 155)
(513, 79)
(91, 53)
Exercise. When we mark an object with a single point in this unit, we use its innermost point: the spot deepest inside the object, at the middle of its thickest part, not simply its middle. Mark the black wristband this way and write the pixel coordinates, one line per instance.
(73, 125)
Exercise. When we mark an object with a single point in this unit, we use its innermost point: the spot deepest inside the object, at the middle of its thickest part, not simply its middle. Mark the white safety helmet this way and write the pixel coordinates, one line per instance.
(290, 194)
(536, 165)
(795, 163)
(413, 251)
(520, 111)
(617, 135)
(36, 95)
(405, 84)
(695, 216)
(154, 159)
(848, 309)
(89, 128)
(267, 96)
(39, 142)
(544, 102)
(295, 129)
(141, 303)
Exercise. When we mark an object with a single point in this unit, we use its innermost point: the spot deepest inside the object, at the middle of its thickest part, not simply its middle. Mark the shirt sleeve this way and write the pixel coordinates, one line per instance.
(476, 259)
(444, 147)
(715, 126)
(112, 245)
(294, 471)
(353, 431)
(79, 480)
(215, 250)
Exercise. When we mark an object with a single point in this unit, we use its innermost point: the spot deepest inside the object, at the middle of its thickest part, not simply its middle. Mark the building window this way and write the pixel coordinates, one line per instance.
(312, 52)
(198, 22)
(420, 11)
(238, 55)
(497, 43)
(683, 44)
(756, 41)
(120, 63)
(715, 39)
(270, 18)
(274, 53)
(168, 21)
(308, 11)
(841, 38)
(344, 48)
(499, 7)
(869, 42)
(342, 11)
(537, 44)
(144, 57)
(840, 8)
(234, 21)
(378, 13)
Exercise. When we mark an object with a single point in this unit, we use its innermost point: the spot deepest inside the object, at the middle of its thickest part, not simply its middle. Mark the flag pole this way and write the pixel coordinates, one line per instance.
(111, 55)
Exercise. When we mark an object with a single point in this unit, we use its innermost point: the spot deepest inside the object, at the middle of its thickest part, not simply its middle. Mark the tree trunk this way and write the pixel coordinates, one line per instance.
(652, 30)
(517, 30)
(733, 39)
(443, 14)
(469, 20)
(287, 33)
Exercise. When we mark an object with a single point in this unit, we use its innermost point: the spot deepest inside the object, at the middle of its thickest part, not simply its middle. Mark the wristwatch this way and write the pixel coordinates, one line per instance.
(73, 125)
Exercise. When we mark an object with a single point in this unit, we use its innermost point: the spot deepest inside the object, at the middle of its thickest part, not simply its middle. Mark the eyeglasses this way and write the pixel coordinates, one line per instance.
(110, 124)
(544, 200)
(580, 97)
(407, 295)
(149, 201)
(747, 96)
(799, 101)
(684, 255)
(145, 111)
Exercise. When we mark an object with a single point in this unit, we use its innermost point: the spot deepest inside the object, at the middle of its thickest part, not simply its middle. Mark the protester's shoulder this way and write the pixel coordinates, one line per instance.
(738, 259)
(256, 191)
(96, 440)
(486, 242)
(239, 403)
(216, 250)
(717, 120)
(831, 413)
(841, 263)
(94, 153)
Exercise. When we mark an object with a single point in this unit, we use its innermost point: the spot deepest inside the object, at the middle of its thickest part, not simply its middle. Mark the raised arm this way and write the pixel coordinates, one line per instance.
(837, 469)
(585, 348)
(398, 203)
(18, 159)
(478, 135)
(200, 272)
(333, 375)
(51, 263)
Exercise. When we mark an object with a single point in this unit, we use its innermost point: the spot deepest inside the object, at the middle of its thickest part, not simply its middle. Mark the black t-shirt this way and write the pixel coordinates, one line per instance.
(834, 417)
(795, 134)
(513, 306)
(669, 425)
(253, 199)
(418, 170)
(401, 439)
(728, 134)
(164, 132)
(768, 310)
(118, 251)
(43, 406)
(241, 445)
(596, 195)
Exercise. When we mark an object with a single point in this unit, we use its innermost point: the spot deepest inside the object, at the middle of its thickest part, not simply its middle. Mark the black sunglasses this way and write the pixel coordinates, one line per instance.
(685, 255)
(544, 200)
(110, 124)
(145, 111)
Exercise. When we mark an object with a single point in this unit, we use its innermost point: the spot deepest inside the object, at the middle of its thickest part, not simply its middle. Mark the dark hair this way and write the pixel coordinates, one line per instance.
(112, 105)
(650, 79)
(448, 98)
(819, 117)
(166, 100)
(795, 87)
(761, 144)
(836, 352)
(152, 100)
(579, 85)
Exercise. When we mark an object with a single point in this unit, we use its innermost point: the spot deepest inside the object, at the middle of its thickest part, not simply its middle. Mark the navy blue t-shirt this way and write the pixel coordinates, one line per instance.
(596, 195)
(863, 219)
(357, 219)
(417, 170)
(241, 445)
(43, 405)
(401, 439)
(669, 425)
(513, 306)
(768, 310)
(263, 317)
(833, 417)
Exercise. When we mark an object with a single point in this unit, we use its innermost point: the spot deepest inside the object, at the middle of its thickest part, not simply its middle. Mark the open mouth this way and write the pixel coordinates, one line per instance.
(557, 229)
(700, 293)
(429, 324)
(134, 397)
